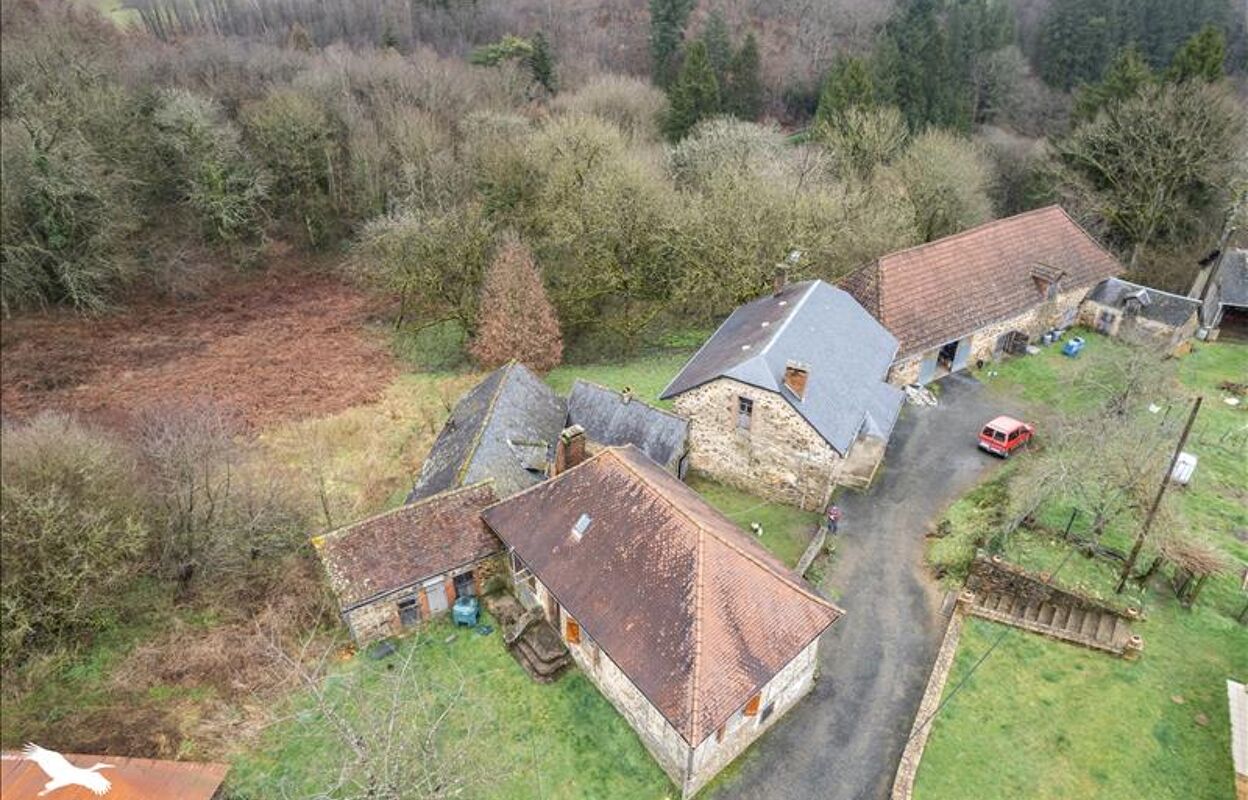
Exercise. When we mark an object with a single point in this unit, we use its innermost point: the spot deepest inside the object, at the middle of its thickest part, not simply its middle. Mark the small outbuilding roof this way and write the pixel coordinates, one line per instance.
(503, 429)
(399, 548)
(130, 778)
(941, 291)
(696, 614)
(617, 418)
(845, 351)
(1153, 304)
(1233, 279)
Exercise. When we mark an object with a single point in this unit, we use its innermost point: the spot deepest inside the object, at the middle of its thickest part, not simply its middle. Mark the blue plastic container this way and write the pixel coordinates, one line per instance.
(1073, 347)
(466, 611)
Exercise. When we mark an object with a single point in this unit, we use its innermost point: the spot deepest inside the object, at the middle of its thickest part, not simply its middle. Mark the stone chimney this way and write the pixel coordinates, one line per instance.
(570, 449)
(780, 279)
(795, 376)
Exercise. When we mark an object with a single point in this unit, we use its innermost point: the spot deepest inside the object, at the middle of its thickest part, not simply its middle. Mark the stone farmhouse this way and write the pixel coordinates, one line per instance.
(503, 430)
(610, 418)
(699, 637)
(788, 398)
(393, 570)
(1141, 315)
(963, 299)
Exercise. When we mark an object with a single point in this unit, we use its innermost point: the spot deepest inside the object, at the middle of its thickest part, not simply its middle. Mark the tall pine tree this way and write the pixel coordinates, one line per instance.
(1125, 77)
(1200, 58)
(743, 97)
(667, 33)
(718, 43)
(695, 94)
(542, 63)
(848, 85)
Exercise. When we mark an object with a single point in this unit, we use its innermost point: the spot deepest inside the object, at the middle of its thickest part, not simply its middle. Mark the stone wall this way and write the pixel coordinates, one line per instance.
(780, 456)
(997, 576)
(1061, 311)
(1138, 330)
(781, 693)
(380, 617)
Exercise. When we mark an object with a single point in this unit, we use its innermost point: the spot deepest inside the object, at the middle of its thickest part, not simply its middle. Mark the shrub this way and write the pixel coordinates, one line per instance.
(515, 317)
(948, 179)
(71, 531)
(726, 143)
(632, 105)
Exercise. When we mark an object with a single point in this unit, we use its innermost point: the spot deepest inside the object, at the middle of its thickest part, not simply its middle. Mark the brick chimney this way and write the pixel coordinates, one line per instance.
(795, 376)
(781, 278)
(570, 449)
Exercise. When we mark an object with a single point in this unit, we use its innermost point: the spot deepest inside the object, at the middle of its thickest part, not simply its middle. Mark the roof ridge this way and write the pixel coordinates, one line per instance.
(715, 534)
(462, 470)
(649, 405)
(978, 229)
(1151, 289)
(695, 673)
(1095, 242)
(320, 538)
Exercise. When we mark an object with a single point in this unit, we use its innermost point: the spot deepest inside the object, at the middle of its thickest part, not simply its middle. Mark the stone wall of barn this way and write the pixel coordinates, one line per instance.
(1060, 311)
(1138, 330)
(380, 617)
(780, 456)
(781, 693)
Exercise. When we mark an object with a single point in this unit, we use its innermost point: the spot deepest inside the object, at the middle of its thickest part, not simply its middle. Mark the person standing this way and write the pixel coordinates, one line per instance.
(834, 517)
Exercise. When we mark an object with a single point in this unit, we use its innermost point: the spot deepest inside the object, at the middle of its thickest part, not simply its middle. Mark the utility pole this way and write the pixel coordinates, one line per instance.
(1161, 491)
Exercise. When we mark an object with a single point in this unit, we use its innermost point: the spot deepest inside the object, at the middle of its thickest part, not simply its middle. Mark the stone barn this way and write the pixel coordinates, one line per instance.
(504, 429)
(610, 418)
(788, 398)
(393, 570)
(963, 299)
(697, 635)
(1144, 316)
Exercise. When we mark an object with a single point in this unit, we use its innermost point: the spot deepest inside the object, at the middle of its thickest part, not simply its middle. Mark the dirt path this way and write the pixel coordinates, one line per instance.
(844, 741)
(284, 344)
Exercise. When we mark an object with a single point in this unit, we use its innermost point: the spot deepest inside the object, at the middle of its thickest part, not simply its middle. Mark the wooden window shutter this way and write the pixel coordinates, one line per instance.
(751, 707)
(572, 631)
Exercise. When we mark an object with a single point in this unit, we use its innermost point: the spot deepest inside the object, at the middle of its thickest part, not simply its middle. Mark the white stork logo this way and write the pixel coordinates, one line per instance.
(61, 773)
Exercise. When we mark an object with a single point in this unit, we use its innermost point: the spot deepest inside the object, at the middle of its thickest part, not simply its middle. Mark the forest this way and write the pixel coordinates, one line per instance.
(596, 177)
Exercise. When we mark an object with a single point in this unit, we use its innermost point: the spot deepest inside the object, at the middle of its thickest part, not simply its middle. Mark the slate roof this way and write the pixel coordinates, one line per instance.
(131, 778)
(409, 544)
(503, 429)
(613, 418)
(696, 614)
(848, 354)
(1169, 309)
(941, 291)
(1233, 280)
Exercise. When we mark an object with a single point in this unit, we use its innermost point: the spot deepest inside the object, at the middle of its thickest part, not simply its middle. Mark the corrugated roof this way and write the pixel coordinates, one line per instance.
(695, 613)
(131, 778)
(846, 351)
(1154, 304)
(497, 431)
(612, 418)
(941, 291)
(398, 548)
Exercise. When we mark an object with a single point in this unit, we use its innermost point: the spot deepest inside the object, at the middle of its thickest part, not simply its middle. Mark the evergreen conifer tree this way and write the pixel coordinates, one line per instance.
(744, 93)
(718, 45)
(1200, 58)
(695, 94)
(848, 85)
(1123, 79)
(541, 61)
(667, 33)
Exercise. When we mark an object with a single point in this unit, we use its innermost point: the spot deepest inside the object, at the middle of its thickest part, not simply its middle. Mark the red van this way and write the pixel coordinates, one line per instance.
(1003, 435)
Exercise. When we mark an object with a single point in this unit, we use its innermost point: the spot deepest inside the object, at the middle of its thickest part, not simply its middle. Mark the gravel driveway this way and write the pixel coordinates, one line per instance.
(844, 740)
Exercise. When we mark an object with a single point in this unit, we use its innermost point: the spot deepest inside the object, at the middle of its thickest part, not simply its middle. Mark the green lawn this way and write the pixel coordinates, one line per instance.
(1044, 719)
(523, 739)
(786, 530)
(646, 376)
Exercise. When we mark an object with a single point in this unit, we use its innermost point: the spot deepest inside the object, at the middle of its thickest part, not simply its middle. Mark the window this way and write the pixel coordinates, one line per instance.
(767, 712)
(745, 412)
(572, 631)
(751, 706)
(409, 612)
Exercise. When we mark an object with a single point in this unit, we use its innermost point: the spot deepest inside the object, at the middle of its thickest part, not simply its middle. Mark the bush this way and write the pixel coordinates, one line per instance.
(632, 105)
(516, 319)
(71, 531)
(726, 143)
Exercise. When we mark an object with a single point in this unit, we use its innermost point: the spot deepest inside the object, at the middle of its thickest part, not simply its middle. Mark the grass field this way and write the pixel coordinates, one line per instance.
(1044, 719)
(786, 530)
(521, 739)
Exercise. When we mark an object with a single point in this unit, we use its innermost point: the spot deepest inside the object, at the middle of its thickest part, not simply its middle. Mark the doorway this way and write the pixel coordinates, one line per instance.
(435, 592)
(409, 612)
(465, 585)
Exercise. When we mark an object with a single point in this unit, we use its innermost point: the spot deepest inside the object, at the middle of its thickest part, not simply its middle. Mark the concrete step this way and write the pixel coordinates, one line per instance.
(1031, 612)
(1060, 615)
(1090, 621)
(1047, 612)
(1074, 621)
(1105, 628)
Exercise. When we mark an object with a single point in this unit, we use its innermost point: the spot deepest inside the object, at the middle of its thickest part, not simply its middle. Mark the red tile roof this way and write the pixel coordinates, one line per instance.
(941, 291)
(400, 547)
(131, 778)
(692, 610)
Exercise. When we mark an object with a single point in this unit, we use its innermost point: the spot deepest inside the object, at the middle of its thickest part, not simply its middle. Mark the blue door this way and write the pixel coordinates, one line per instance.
(927, 369)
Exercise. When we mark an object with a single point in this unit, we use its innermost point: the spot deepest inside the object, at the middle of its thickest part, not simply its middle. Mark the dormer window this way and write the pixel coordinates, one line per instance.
(1047, 279)
(795, 375)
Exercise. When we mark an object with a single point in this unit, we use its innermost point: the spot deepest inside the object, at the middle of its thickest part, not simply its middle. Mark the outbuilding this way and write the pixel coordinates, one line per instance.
(1141, 315)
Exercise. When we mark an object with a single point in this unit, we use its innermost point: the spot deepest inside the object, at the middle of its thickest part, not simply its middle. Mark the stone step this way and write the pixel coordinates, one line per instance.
(1060, 615)
(1031, 612)
(1074, 621)
(1047, 612)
